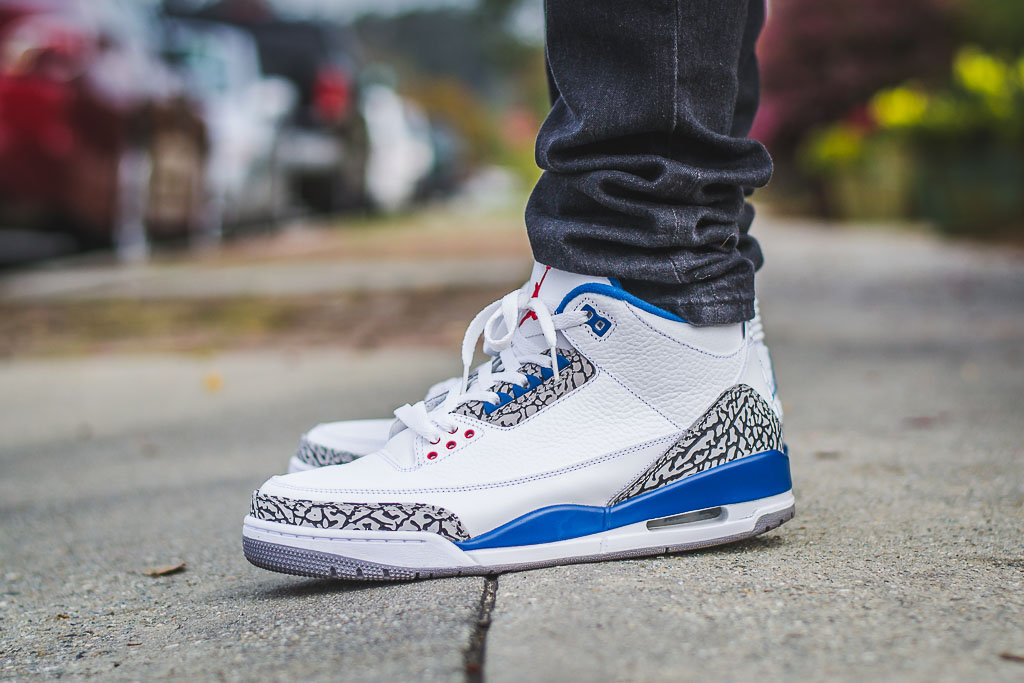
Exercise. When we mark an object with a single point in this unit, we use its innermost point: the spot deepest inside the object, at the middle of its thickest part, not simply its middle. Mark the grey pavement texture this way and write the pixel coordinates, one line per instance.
(901, 363)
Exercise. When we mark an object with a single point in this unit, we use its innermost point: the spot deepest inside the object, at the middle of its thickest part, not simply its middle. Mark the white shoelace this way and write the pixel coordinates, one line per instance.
(499, 324)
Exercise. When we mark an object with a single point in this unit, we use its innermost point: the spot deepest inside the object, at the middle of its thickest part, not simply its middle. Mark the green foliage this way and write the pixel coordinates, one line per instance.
(833, 147)
(996, 24)
(951, 153)
(466, 67)
(984, 98)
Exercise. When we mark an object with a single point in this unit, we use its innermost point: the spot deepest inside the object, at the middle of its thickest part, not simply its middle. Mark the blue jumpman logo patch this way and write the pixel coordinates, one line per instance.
(599, 324)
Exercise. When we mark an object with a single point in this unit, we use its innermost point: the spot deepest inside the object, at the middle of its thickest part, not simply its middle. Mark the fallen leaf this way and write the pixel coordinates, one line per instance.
(213, 381)
(925, 421)
(63, 616)
(165, 570)
(1010, 657)
(132, 643)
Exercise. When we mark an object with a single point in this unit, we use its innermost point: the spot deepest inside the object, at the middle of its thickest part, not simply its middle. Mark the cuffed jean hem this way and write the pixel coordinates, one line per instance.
(724, 300)
(691, 303)
(646, 154)
(715, 313)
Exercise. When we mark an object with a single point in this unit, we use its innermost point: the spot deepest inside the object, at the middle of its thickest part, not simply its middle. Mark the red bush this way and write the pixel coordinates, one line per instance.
(822, 59)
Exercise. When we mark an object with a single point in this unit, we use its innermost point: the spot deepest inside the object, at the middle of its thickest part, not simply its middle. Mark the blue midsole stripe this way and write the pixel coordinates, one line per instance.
(750, 478)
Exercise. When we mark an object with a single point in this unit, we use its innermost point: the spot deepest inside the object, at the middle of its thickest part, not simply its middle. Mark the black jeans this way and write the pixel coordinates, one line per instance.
(645, 155)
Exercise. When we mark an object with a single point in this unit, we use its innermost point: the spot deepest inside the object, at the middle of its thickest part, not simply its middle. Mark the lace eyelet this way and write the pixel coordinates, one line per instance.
(470, 434)
(435, 441)
(450, 445)
(432, 455)
(454, 429)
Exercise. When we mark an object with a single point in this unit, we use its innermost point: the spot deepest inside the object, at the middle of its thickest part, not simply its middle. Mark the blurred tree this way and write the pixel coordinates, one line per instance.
(822, 59)
(232, 11)
(440, 43)
(450, 100)
(997, 25)
(469, 67)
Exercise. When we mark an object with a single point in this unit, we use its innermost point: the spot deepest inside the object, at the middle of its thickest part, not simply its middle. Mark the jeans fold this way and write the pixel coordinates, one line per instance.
(646, 163)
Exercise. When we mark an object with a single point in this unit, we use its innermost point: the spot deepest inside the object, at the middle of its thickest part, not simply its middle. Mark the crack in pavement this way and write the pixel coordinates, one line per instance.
(476, 648)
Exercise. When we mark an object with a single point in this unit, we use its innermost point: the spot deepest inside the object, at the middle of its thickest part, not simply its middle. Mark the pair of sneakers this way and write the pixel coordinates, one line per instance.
(602, 427)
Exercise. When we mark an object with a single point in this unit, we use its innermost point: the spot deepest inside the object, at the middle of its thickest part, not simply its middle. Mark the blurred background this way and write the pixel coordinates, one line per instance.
(224, 153)
(134, 125)
(224, 221)
(139, 125)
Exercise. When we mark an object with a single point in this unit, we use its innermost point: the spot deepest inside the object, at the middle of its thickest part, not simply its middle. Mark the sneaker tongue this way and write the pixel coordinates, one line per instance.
(548, 284)
(551, 285)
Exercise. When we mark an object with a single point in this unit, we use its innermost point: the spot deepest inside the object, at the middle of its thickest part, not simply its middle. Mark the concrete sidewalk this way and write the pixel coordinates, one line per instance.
(901, 362)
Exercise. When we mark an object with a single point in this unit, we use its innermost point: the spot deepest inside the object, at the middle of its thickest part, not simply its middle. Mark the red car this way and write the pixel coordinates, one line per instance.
(95, 135)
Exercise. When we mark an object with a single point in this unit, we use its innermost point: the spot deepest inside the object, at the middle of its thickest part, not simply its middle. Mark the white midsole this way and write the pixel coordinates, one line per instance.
(427, 550)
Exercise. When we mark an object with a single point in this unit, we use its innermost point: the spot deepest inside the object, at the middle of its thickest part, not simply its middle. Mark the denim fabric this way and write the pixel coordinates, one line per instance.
(645, 155)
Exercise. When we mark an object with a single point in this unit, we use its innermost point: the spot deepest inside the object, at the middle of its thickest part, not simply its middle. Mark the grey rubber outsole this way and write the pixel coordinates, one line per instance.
(301, 562)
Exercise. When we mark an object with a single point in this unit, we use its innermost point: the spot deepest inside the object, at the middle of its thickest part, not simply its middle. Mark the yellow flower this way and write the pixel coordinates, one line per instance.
(982, 73)
(899, 107)
(836, 145)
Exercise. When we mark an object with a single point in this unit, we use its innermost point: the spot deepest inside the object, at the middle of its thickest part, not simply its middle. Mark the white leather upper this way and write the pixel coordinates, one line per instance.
(358, 437)
(671, 374)
(654, 378)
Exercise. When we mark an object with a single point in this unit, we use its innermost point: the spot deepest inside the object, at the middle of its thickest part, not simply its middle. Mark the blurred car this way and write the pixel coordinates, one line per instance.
(245, 113)
(94, 130)
(324, 148)
(401, 151)
(449, 169)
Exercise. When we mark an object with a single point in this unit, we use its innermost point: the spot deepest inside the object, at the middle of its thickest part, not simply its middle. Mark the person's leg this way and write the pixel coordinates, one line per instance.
(644, 152)
(341, 442)
(605, 427)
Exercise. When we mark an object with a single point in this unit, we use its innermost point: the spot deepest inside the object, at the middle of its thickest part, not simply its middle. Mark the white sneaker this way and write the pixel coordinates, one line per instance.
(607, 428)
(337, 443)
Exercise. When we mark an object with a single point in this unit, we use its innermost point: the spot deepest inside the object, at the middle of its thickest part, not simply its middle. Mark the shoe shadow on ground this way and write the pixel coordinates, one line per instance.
(298, 587)
(750, 545)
